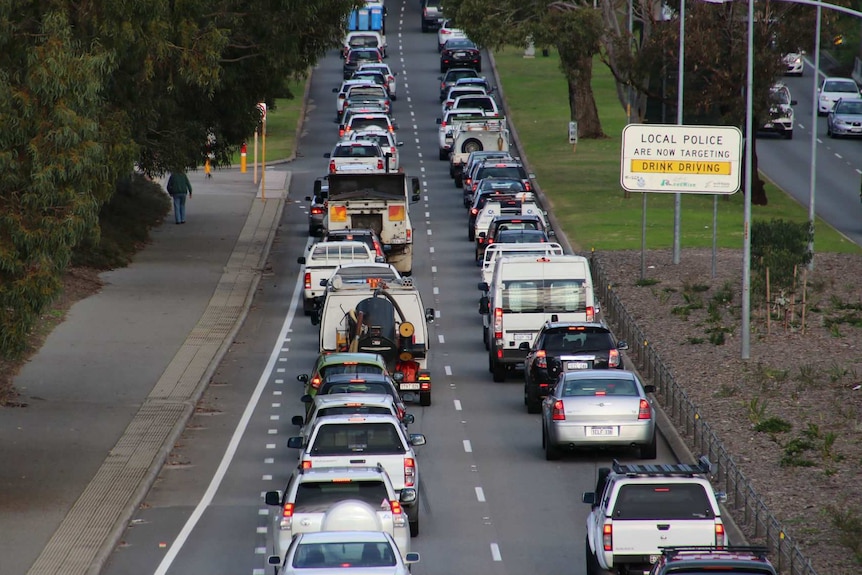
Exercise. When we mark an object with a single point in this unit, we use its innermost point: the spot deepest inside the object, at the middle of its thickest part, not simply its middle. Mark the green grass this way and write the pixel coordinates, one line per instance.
(583, 186)
(281, 122)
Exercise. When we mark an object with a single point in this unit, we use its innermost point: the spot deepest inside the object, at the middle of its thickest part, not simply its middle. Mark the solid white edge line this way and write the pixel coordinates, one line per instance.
(233, 445)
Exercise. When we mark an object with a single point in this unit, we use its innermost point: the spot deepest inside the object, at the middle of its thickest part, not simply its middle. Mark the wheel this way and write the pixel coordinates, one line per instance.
(459, 183)
(828, 130)
(498, 371)
(552, 452)
(444, 155)
(414, 528)
(479, 68)
(534, 404)
(442, 69)
(471, 234)
(649, 451)
(593, 563)
(788, 135)
(425, 398)
(307, 306)
(471, 145)
(544, 437)
(485, 338)
(424, 27)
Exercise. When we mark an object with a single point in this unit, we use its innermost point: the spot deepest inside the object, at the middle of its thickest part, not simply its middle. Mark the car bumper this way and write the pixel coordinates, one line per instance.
(846, 130)
(511, 356)
(778, 127)
(575, 434)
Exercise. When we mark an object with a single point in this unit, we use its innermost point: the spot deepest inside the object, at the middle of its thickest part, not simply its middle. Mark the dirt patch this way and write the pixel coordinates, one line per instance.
(78, 283)
(791, 416)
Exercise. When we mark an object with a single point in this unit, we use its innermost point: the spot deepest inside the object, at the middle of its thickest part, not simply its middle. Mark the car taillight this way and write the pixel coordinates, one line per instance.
(591, 313)
(498, 323)
(409, 471)
(286, 521)
(719, 535)
(442, 124)
(341, 133)
(379, 163)
(398, 518)
(559, 413)
(614, 358)
(608, 537)
(391, 128)
(474, 186)
(424, 380)
(316, 211)
(644, 411)
(541, 359)
(306, 465)
(425, 11)
(332, 166)
(315, 382)
(480, 240)
(527, 186)
(474, 211)
(307, 280)
(449, 103)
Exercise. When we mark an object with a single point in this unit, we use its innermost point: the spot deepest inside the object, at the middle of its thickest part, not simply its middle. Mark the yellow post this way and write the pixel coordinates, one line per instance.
(243, 162)
(263, 159)
(207, 168)
(254, 178)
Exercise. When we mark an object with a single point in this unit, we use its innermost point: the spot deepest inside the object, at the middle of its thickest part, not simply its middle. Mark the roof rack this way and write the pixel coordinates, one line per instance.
(703, 466)
(759, 550)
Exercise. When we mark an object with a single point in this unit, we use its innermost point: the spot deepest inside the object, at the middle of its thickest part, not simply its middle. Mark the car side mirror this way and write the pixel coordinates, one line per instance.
(377, 259)
(398, 376)
(300, 260)
(335, 90)
(483, 286)
(412, 557)
(430, 314)
(297, 420)
(439, 121)
(793, 102)
(272, 498)
(622, 345)
(327, 155)
(649, 389)
(306, 398)
(407, 495)
(307, 198)
(417, 439)
(531, 176)
(408, 418)
(525, 346)
(482, 234)
(274, 560)
(303, 377)
(295, 442)
(399, 144)
(589, 497)
(483, 305)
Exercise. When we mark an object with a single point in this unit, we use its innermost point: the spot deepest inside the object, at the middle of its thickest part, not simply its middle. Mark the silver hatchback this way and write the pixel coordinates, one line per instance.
(598, 408)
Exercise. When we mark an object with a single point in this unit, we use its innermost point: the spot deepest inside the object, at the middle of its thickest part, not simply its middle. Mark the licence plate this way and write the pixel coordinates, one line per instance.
(578, 365)
(602, 431)
(460, 55)
(523, 337)
(408, 386)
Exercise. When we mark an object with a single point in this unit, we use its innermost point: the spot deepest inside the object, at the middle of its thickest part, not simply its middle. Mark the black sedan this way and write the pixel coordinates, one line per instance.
(461, 53)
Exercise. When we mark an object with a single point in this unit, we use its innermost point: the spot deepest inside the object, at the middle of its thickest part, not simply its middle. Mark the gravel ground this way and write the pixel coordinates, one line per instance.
(808, 381)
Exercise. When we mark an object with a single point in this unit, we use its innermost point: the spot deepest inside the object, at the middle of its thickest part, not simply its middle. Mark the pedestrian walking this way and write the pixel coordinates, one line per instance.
(179, 187)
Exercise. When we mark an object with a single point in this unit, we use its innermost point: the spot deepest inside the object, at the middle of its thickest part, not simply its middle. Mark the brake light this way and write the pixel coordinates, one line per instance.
(395, 506)
(498, 323)
(315, 382)
(527, 186)
(379, 163)
(409, 471)
(474, 211)
(445, 31)
(316, 210)
(591, 313)
(614, 358)
(719, 535)
(307, 280)
(559, 413)
(306, 465)
(341, 132)
(541, 359)
(287, 510)
(480, 240)
(475, 186)
(398, 519)
(331, 166)
(391, 128)
(443, 124)
(608, 537)
(644, 410)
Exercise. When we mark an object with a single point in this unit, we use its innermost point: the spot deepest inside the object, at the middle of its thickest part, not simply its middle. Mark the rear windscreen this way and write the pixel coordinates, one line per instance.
(349, 438)
(375, 388)
(501, 172)
(317, 496)
(544, 296)
(349, 410)
(662, 501)
(349, 368)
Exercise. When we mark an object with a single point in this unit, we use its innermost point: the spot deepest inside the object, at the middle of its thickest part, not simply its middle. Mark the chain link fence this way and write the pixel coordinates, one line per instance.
(748, 508)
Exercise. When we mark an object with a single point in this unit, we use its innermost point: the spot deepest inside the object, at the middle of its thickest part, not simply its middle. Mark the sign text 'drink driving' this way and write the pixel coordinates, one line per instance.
(681, 159)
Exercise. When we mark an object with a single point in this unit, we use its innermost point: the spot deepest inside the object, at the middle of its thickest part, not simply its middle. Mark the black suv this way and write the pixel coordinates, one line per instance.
(566, 346)
(728, 559)
(453, 75)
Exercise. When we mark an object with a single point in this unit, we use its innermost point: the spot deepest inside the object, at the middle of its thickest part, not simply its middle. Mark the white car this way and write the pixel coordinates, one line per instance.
(342, 93)
(364, 39)
(795, 64)
(780, 112)
(386, 141)
(446, 125)
(344, 552)
(456, 91)
(391, 83)
(447, 32)
(363, 156)
(833, 89)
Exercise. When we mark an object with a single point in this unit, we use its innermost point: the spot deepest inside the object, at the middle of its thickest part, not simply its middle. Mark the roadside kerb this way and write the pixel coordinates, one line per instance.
(90, 531)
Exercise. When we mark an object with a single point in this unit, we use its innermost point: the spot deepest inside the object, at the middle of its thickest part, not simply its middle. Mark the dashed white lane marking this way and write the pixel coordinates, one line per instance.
(448, 369)
(427, 214)
(272, 431)
(441, 339)
(425, 199)
(279, 381)
(267, 478)
(457, 403)
(261, 530)
(277, 392)
(273, 417)
(436, 311)
(428, 232)
(436, 290)
(495, 552)
(276, 405)
(433, 269)
(480, 494)
(269, 461)
(467, 446)
(431, 249)
(270, 445)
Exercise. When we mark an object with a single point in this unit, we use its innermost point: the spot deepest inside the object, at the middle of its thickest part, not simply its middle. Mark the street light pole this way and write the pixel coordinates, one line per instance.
(677, 198)
(746, 226)
(812, 185)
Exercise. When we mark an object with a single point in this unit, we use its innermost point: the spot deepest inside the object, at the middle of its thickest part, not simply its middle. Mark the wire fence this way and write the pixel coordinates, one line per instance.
(748, 508)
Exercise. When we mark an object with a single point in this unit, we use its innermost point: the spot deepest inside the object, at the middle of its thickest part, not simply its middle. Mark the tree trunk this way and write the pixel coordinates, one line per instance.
(582, 103)
(758, 187)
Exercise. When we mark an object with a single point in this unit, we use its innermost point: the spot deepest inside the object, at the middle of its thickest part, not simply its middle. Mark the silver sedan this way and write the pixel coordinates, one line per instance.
(845, 119)
(598, 408)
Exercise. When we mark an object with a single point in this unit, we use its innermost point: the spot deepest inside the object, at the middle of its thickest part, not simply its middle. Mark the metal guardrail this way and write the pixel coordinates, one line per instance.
(748, 508)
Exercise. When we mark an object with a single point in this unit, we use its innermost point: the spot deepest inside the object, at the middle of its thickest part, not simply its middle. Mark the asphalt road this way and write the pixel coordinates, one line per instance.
(490, 503)
(839, 163)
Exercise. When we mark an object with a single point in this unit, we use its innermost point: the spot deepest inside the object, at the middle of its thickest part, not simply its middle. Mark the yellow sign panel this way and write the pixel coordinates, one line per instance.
(338, 213)
(680, 167)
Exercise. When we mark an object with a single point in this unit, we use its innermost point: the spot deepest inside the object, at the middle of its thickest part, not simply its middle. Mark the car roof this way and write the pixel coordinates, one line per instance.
(346, 398)
(342, 536)
(347, 357)
(328, 473)
(348, 377)
(360, 419)
(600, 374)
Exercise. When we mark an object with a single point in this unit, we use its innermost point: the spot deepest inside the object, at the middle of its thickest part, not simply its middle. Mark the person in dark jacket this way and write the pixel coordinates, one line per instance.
(178, 188)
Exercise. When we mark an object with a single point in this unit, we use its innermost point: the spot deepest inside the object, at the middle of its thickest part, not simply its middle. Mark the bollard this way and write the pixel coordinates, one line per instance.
(243, 161)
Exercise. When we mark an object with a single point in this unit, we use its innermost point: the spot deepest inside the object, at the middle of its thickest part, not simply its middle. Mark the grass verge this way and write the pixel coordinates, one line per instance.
(594, 211)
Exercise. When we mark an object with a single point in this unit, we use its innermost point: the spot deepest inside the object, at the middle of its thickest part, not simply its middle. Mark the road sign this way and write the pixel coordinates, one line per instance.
(573, 133)
(681, 159)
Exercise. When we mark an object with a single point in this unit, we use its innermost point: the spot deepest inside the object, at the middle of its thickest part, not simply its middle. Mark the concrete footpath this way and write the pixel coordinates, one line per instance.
(78, 460)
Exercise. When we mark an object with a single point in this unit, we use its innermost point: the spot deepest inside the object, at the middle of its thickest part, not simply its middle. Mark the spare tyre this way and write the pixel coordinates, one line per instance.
(472, 145)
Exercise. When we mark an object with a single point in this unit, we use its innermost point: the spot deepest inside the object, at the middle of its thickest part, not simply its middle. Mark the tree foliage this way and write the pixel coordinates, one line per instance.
(89, 89)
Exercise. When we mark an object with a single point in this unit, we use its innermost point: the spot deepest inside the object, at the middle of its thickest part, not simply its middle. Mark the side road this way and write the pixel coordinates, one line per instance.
(81, 456)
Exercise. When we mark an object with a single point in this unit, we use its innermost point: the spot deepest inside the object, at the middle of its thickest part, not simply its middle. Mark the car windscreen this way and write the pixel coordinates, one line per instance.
(454, 75)
(493, 254)
(850, 107)
(544, 296)
(376, 438)
(664, 501)
(518, 225)
(474, 102)
(318, 496)
(328, 370)
(521, 237)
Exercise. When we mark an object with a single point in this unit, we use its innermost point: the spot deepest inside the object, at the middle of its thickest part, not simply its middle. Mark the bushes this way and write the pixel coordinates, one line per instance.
(779, 246)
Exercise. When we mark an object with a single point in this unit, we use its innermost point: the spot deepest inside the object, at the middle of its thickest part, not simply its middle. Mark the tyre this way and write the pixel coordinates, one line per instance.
(479, 68)
(444, 155)
(442, 69)
(552, 452)
(424, 400)
(424, 27)
(534, 404)
(472, 145)
(414, 528)
(498, 371)
(485, 338)
(650, 450)
(788, 134)
(459, 183)
(471, 234)
(828, 130)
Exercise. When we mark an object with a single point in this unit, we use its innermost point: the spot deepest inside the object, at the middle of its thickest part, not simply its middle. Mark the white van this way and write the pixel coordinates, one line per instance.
(497, 251)
(524, 293)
